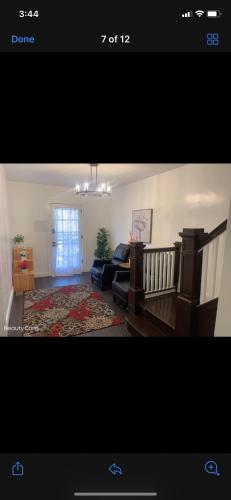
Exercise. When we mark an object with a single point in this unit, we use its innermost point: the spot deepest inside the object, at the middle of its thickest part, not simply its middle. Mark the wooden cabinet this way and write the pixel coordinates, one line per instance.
(23, 281)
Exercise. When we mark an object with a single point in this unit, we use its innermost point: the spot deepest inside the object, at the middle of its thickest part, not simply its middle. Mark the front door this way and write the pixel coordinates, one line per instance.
(66, 241)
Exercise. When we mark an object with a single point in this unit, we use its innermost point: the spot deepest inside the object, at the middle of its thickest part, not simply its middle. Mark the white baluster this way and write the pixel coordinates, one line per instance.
(205, 259)
(156, 270)
(148, 273)
(180, 270)
(144, 272)
(164, 269)
(169, 262)
(172, 268)
(161, 271)
(220, 259)
(214, 267)
(152, 271)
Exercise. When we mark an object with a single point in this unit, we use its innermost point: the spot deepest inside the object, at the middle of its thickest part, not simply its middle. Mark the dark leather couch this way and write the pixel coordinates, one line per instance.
(120, 286)
(103, 270)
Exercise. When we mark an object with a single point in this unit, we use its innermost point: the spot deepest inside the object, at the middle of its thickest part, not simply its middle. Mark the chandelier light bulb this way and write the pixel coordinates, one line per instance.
(93, 188)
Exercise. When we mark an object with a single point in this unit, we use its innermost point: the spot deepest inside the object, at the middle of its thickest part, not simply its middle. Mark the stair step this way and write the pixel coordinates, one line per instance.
(159, 322)
(141, 326)
(161, 311)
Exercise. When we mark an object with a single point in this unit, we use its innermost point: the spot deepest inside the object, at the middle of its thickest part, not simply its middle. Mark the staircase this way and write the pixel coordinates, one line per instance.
(157, 317)
(174, 291)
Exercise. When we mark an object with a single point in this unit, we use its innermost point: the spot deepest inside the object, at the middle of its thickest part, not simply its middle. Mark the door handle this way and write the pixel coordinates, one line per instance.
(53, 243)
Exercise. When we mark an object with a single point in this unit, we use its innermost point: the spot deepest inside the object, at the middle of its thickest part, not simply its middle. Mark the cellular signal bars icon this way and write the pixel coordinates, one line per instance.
(187, 14)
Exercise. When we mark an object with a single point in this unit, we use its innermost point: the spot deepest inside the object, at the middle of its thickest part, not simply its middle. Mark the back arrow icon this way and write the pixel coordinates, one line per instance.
(115, 470)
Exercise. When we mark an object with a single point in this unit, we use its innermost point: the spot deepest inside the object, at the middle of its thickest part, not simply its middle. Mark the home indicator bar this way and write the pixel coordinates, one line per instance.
(120, 494)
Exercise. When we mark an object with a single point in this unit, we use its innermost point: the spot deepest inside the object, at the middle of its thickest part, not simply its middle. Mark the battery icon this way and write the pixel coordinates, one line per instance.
(213, 13)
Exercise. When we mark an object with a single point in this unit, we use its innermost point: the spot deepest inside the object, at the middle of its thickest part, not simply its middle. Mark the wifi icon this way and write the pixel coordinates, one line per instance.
(199, 13)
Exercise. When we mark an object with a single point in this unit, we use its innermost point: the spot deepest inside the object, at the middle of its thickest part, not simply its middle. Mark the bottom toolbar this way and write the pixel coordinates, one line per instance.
(163, 476)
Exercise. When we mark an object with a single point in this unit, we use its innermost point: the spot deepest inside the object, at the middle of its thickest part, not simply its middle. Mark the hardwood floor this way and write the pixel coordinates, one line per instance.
(16, 316)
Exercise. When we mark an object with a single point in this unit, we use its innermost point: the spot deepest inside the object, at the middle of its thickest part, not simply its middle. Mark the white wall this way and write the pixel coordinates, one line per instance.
(223, 321)
(6, 290)
(29, 203)
(189, 196)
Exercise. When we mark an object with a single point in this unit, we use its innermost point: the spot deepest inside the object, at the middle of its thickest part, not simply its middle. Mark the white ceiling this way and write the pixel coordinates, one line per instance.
(68, 175)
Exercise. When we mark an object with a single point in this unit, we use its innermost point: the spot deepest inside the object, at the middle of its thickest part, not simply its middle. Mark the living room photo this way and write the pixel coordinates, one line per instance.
(115, 250)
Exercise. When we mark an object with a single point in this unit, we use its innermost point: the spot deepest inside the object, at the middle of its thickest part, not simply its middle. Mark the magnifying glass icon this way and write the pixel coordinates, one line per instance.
(211, 467)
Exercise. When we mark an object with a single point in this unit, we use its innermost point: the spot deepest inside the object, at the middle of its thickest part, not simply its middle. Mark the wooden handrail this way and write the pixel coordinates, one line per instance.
(213, 234)
(162, 249)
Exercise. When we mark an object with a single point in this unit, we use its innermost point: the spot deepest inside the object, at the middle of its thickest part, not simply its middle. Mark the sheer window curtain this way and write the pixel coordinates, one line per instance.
(66, 241)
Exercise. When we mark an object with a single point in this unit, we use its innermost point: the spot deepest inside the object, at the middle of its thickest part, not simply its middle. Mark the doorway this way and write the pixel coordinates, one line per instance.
(66, 240)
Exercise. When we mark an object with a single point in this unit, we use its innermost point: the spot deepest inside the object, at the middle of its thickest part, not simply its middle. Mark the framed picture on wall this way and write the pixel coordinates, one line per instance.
(142, 225)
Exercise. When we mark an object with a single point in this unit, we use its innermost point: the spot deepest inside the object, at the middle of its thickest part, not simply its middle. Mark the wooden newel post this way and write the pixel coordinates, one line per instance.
(189, 296)
(177, 245)
(136, 290)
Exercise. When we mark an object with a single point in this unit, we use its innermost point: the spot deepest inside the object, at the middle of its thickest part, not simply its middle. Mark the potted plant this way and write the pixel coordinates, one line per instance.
(24, 266)
(18, 240)
(103, 250)
(23, 254)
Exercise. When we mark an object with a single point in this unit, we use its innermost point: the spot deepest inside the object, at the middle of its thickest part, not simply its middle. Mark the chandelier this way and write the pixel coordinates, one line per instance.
(92, 187)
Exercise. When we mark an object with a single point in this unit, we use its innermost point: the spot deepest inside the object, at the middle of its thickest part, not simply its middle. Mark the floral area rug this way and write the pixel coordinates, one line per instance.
(67, 311)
